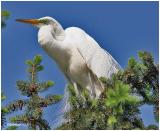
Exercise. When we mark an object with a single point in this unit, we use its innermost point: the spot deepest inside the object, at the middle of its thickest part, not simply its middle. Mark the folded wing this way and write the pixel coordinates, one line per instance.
(97, 59)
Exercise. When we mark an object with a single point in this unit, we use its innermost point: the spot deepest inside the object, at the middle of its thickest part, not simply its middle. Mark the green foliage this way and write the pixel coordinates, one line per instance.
(103, 113)
(12, 128)
(4, 16)
(118, 105)
(111, 120)
(39, 68)
(44, 85)
(117, 98)
(4, 111)
(120, 95)
(52, 99)
(29, 62)
(3, 97)
(19, 119)
(50, 83)
(143, 77)
(37, 59)
(34, 106)
(152, 127)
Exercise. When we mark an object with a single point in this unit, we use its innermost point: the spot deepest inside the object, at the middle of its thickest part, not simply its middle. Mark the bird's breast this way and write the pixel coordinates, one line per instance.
(57, 50)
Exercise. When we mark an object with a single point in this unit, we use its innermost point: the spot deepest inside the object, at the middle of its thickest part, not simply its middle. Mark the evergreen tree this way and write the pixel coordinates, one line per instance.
(107, 112)
(143, 77)
(33, 113)
(118, 105)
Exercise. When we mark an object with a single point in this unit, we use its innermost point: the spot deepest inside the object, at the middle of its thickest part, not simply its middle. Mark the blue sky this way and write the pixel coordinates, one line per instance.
(121, 28)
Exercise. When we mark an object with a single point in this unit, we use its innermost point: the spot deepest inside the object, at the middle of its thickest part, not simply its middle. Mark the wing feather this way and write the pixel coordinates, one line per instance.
(97, 59)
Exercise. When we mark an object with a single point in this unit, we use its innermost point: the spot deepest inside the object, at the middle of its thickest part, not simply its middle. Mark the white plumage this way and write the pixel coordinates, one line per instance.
(78, 55)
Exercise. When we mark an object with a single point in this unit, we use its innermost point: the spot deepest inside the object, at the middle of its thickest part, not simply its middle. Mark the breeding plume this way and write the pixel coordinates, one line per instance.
(77, 54)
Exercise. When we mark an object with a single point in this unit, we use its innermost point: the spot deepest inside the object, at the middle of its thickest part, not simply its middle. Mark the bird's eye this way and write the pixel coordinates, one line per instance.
(44, 21)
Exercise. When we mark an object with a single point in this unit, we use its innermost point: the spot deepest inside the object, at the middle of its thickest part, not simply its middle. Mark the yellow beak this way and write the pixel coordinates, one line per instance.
(29, 21)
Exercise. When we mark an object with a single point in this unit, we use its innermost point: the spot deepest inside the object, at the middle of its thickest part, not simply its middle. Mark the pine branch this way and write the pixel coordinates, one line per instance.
(52, 99)
(33, 116)
(16, 105)
(23, 86)
(43, 86)
(43, 124)
(20, 119)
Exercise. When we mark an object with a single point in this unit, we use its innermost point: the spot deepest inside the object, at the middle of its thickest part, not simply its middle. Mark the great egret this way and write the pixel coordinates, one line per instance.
(78, 55)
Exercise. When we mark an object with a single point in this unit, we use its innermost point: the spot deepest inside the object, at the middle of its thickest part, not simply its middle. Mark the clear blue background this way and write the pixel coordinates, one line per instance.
(122, 28)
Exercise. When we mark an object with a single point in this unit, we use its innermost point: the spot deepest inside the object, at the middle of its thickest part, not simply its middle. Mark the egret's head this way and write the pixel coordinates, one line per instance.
(48, 22)
(40, 22)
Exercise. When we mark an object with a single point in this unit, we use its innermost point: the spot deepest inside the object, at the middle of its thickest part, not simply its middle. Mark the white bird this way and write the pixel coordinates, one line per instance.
(78, 55)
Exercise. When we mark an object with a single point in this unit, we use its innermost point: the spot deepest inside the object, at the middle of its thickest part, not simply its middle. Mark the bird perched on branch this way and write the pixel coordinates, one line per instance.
(78, 55)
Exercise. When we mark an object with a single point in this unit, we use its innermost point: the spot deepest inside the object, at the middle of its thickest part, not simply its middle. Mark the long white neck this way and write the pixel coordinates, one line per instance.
(50, 33)
(45, 35)
(54, 45)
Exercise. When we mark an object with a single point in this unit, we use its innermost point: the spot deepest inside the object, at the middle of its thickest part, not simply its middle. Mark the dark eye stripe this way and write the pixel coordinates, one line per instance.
(44, 21)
